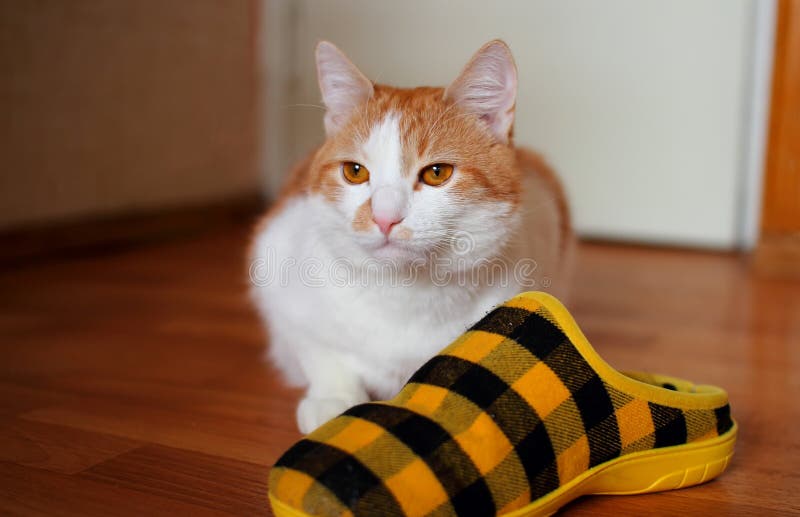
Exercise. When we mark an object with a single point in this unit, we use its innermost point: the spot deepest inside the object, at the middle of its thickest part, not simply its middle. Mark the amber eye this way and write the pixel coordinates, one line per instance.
(436, 174)
(355, 172)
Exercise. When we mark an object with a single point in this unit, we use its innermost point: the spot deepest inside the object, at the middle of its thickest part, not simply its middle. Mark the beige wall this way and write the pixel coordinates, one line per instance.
(124, 106)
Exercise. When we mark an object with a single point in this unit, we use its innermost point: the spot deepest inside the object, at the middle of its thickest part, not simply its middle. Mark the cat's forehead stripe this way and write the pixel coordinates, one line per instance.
(417, 118)
(383, 149)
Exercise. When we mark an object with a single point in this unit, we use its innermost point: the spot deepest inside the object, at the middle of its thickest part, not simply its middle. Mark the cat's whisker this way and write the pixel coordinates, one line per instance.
(305, 105)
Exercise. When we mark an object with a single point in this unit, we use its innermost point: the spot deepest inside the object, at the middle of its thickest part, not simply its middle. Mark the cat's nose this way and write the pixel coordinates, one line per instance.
(386, 224)
(389, 205)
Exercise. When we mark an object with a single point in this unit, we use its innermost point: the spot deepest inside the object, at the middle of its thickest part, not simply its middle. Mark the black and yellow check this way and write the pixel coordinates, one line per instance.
(509, 412)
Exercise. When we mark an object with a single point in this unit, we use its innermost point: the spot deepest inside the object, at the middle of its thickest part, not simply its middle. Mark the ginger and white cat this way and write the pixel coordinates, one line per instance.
(414, 218)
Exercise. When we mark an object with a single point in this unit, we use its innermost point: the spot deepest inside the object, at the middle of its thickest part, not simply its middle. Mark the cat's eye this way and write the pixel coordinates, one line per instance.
(436, 174)
(355, 172)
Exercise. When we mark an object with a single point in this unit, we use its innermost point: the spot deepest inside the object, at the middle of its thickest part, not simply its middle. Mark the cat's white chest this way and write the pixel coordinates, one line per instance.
(382, 332)
(385, 345)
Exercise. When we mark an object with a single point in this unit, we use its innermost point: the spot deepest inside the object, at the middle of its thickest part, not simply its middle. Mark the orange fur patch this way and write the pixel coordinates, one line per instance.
(533, 163)
(362, 222)
(404, 233)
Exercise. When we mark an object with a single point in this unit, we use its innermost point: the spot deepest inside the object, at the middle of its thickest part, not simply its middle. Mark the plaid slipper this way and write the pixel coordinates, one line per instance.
(517, 417)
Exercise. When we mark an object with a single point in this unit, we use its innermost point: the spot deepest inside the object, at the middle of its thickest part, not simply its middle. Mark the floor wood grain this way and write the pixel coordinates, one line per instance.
(133, 383)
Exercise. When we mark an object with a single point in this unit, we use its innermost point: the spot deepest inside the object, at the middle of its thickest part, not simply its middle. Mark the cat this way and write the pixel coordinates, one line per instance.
(413, 219)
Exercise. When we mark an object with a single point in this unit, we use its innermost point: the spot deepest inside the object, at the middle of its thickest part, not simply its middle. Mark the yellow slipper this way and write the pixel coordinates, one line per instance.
(517, 417)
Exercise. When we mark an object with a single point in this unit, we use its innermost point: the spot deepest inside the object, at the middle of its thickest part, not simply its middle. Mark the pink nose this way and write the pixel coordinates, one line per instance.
(386, 223)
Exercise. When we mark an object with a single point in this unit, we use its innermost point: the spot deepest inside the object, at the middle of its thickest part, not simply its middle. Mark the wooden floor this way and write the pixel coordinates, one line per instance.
(133, 384)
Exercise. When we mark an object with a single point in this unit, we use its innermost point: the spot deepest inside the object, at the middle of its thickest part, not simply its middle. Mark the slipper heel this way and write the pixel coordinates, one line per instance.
(664, 469)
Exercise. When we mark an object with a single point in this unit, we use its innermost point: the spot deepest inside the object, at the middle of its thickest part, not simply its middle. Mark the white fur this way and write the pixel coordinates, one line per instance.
(345, 341)
(349, 342)
(382, 153)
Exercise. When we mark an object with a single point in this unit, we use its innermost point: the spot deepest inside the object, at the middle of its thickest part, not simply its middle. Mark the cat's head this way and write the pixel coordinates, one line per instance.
(406, 174)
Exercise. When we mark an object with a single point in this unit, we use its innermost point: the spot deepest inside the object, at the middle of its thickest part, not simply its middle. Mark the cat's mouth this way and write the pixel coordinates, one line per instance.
(396, 249)
(388, 243)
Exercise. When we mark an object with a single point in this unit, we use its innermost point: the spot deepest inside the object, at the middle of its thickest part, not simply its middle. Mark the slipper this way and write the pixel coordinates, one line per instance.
(517, 417)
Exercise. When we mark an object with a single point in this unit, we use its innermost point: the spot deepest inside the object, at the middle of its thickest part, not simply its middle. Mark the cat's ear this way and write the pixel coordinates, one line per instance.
(487, 87)
(343, 86)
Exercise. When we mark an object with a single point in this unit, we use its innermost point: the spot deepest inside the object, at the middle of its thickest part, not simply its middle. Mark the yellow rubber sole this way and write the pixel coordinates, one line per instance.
(656, 470)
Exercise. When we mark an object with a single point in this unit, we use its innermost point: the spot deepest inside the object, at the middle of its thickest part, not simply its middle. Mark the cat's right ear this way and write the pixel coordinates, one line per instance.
(343, 86)
(487, 87)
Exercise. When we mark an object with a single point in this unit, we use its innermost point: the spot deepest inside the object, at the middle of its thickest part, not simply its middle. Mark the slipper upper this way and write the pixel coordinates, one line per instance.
(516, 407)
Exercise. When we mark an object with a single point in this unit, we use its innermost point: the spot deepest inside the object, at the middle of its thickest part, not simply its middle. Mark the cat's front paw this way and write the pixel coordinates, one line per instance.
(313, 412)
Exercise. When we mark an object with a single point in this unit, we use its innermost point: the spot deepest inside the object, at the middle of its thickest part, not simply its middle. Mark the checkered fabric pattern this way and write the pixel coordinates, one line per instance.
(503, 416)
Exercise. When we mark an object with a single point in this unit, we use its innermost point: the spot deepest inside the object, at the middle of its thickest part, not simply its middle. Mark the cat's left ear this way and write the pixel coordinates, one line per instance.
(343, 86)
(487, 87)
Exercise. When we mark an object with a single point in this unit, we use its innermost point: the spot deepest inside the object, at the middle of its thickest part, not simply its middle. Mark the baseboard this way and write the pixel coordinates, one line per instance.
(35, 243)
(778, 255)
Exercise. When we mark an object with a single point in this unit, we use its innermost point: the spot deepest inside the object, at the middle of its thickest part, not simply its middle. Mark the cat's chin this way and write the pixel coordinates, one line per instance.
(398, 253)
